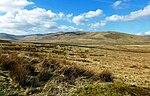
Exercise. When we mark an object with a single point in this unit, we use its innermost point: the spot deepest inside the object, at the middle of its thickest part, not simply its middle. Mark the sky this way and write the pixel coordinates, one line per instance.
(23, 17)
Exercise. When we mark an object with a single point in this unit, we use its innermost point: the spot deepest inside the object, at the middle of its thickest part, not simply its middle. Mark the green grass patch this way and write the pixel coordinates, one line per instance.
(112, 89)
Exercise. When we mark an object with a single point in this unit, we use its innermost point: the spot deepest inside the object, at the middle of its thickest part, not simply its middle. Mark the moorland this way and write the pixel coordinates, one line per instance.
(75, 64)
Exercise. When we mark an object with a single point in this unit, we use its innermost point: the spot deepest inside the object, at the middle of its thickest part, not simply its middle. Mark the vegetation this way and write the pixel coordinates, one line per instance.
(112, 89)
(73, 69)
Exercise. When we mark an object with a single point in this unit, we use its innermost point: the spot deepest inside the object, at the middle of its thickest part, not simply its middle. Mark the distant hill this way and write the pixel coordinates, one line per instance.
(108, 37)
(89, 38)
(4, 36)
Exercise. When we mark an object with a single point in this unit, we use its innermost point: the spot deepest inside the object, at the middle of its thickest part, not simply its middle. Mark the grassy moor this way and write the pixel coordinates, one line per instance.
(76, 69)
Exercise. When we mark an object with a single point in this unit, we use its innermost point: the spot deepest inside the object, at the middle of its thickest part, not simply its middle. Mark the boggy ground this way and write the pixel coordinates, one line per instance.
(61, 69)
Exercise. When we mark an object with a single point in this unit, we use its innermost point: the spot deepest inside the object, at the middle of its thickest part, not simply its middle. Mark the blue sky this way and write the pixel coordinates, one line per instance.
(49, 16)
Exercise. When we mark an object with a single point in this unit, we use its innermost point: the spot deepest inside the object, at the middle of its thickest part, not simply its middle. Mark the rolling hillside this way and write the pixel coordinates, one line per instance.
(4, 36)
(89, 38)
(81, 37)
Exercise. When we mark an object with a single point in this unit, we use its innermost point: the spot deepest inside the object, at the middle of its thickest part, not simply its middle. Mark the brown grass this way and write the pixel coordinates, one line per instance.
(15, 65)
(76, 68)
(19, 68)
(106, 76)
(72, 71)
(4, 41)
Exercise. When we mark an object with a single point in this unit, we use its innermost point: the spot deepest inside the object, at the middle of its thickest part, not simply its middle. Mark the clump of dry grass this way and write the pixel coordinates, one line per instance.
(15, 65)
(4, 41)
(68, 70)
(45, 76)
(75, 72)
(106, 76)
(18, 68)
(32, 71)
(71, 71)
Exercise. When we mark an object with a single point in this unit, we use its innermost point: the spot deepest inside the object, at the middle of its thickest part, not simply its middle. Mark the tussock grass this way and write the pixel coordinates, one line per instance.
(19, 68)
(106, 76)
(15, 65)
(72, 71)
(45, 76)
(4, 41)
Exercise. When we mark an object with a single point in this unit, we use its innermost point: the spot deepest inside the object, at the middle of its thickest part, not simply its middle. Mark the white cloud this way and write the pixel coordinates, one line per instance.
(98, 24)
(37, 15)
(120, 4)
(18, 20)
(13, 5)
(115, 18)
(36, 20)
(79, 20)
(67, 28)
(139, 33)
(132, 16)
(145, 12)
(147, 33)
(68, 17)
(92, 14)
(82, 18)
(117, 3)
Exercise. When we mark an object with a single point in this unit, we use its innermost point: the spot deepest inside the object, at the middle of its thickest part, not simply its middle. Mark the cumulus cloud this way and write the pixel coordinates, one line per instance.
(92, 14)
(145, 12)
(132, 16)
(37, 15)
(147, 33)
(35, 20)
(13, 5)
(82, 18)
(98, 24)
(138, 33)
(18, 20)
(67, 28)
(79, 20)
